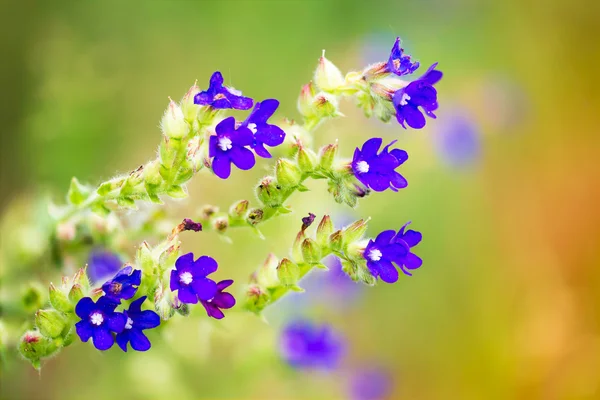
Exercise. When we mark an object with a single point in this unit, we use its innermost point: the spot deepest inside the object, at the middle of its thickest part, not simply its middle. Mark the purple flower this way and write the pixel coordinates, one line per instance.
(310, 346)
(98, 320)
(102, 264)
(124, 284)
(219, 96)
(408, 240)
(190, 281)
(264, 133)
(376, 171)
(418, 93)
(400, 63)
(381, 253)
(370, 384)
(136, 321)
(307, 221)
(228, 146)
(222, 300)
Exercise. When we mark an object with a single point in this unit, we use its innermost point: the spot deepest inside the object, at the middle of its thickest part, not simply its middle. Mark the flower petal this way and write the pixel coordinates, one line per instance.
(205, 288)
(271, 135)
(224, 300)
(400, 155)
(398, 181)
(387, 271)
(122, 340)
(260, 150)
(385, 237)
(187, 295)
(370, 147)
(138, 340)
(136, 305)
(412, 261)
(84, 330)
(227, 126)
(102, 338)
(204, 266)
(265, 109)
(84, 307)
(174, 281)
(116, 322)
(147, 319)
(413, 117)
(242, 158)
(185, 262)
(379, 183)
(432, 76)
(241, 102)
(412, 238)
(212, 310)
(243, 137)
(203, 98)
(216, 80)
(224, 284)
(221, 166)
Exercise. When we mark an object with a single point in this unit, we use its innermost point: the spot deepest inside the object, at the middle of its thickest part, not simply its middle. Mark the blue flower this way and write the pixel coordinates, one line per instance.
(376, 171)
(381, 253)
(229, 146)
(400, 63)
(418, 93)
(98, 320)
(221, 300)
(309, 346)
(264, 133)
(137, 321)
(124, 284)
(219, 96)
(372, 383)
(190, 281)
(102, 264)
(408, 240)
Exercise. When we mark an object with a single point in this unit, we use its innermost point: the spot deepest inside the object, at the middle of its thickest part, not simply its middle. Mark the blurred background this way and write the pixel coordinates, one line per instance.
(504, 186)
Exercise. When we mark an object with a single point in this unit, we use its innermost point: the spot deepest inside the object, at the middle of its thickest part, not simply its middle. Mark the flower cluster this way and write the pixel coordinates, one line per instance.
(189, 279)
(391, 248)
(104, 325)
(232, 142)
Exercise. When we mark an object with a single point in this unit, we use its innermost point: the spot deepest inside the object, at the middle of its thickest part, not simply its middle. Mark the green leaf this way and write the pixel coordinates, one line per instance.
(126, 202)
(177, 192)
(77, 192)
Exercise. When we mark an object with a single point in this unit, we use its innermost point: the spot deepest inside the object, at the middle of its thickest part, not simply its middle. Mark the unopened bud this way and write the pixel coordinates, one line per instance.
(354, 231)
(311, 251)
(328, 77)
(208, 211)
(266, 276)
(336, 241)
(50, 322)
(326, 105)
(145, 258)
(377, 70)
(81, 278)
(256, 299)
(324, 229)
(327, 156)
(190, 110)
(220, 224)
(163, 300)
(297, 246)
(76, 293)
(305, 100)
(152, 175)
(239, 209)
(33, 297)
(77, 192)
(268, 192)
(288, 173)
(173, 122)
(255, 216)
(307, 159)
(33, 346)
(288, 273)
(59, 300)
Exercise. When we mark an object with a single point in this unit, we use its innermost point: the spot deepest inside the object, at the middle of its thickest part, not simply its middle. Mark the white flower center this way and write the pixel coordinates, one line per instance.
(129, 323)
(234, 91)
(224, 143)
(252, 127)
(362, 167)
(186, 278)
(375, 255)
(404, 100)
(96, 319)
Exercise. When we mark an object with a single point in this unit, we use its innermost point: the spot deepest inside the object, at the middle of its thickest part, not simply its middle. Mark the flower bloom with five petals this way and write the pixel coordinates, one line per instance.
(98, 321)
(377, 171)
(264, 133)
(189, 278)
(219, 96)
(137, 321)
(222, 300)
(417, 95)
(124, 284)
(228, 146)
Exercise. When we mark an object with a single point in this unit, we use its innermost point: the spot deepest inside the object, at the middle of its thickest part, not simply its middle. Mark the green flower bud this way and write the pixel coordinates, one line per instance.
(177, 192)
(327, 156)
(163, 300)
(173, 123)
(146, 259)
(181, 308)
(59, 300)
(220, 224)
(50, 322)
(267, 274)
(255, 216)
(328, 77)
(69, 338)
(168, 150)
(152, 174)
(76, 293)
(109, 186)
(324, 229)
(354, 231)
(336, 241)
(189, 109)
(305, 100)
(239, 209)
(33, 297)
(268, 192)
(256, 299)
(33, 346)
(326, 105)
(288, 174)
(81, 278)
(311, 251)
(77, 192)
(288, 273)
(297, 246)
(306, 158)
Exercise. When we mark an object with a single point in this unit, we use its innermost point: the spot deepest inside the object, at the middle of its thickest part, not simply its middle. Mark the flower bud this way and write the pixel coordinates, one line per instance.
(267, 274)
(59, 300)
(239, 209)
(326, 105)
(76, 293)
(324, 229)
(181, 308)
(255, 216)
(173, 122)
(297, 246)
(358, 272)
(288, 174)
(268, 192)
(354, 231)
(305, 100)
(311, 251)
(163, 300)
(306, 158)
(81, 278)
(33, 297)
(145, 259)
(336, 241)
(152, 174)
(327, 76)
(50, 322)
(256, 299)
(189, 109)
(327, 156)
(77, 192)
(33, 346)
(208, 211)
(220, 224)
(288, 273)
(377, 70)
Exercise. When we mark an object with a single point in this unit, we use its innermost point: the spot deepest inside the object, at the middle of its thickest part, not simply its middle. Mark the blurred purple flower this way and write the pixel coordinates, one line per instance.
(370, 384)
(229, 146)
(98, 320)
(264, 133)
(102, 264)
(306, 345)
(458, 140)
(137, 321)
(189, 278)
(221, 300)
(219, 96)
(377, 171)
(123, 285)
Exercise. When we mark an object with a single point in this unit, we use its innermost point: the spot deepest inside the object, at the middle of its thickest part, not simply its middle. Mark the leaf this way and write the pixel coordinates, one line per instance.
(177, 192)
